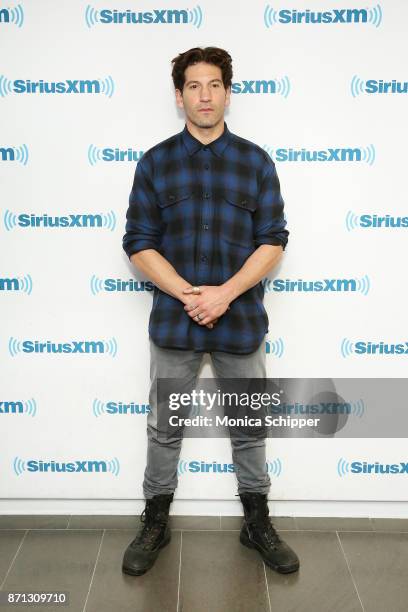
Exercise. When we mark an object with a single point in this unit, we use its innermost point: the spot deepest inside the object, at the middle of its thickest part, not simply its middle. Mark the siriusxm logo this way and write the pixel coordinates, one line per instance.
(214, 467)
(118, 285)
(101, 347)
(356, 154)
(14, 154)
(17, 283)
(364, 467)
(192, 16)
(272, 86)
(275, 347)
(89, 466)
(355, 408)
(26, 86)
(118, 408)
(109, 154)
(338, 285)
(372, 16)
(372, 86)
(363, 347)
(28, 407)
(14, 15)
(354, 221)
(77, 220)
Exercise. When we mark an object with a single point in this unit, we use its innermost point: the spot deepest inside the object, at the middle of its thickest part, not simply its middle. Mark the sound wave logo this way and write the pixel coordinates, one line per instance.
(30, 407)
(183, 467)
(343, 467)
(10, 220)
(6, 86)
(358, 408)
(372, 16)
(195, 16)
(91, 16)
(94, 154)
(19, 283)
(104, 86)
(274, 468)
(363, 284)
(98, 407)
(18, 154)
(114, 466)
(346, 347)
(15, 346)
(107, 86)
(375, 15)
(109, 220)
(352, 220)
(275, 347)
(19, 466)
(96, 284)
(357, 86)
(111, 347)
(368, 154)
(14, 15)
(25, 284)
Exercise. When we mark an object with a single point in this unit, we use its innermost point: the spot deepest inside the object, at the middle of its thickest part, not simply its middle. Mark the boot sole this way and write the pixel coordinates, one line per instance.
(286, 569)
(133, 572)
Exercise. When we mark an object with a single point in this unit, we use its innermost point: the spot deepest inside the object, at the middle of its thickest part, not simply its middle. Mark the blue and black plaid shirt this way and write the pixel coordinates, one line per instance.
(206, 208)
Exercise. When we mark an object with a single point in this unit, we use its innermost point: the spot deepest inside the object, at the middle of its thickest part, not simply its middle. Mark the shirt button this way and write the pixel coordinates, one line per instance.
(206, 166)
(204, 258)
(205, 226)
(206, 195)
(244, 202)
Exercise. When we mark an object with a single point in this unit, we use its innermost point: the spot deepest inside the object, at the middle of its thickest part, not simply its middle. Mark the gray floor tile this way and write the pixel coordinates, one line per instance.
(378, 563)
(279, 522)
(114, 591)
(101, 521)
(387, 524)
(55, 561)
(218, 574)
(9, 543)
(333, 523)
(195, 522)
(323, 582)
(34, 521)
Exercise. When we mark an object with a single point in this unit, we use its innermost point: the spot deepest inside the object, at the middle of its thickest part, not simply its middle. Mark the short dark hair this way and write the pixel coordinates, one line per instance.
(210, 55)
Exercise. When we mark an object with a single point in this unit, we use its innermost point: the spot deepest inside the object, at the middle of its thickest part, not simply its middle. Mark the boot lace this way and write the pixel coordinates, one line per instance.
(150, 531)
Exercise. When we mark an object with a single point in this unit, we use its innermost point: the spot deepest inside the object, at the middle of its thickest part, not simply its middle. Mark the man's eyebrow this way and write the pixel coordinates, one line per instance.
(212, 80)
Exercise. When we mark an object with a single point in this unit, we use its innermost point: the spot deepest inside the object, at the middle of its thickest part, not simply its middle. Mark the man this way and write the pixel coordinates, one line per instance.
(205, 223)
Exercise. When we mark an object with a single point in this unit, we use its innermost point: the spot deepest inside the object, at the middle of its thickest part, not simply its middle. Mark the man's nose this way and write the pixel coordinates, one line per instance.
(205, 94)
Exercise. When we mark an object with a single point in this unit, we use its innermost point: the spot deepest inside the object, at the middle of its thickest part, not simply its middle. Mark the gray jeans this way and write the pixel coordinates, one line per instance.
(248, 455)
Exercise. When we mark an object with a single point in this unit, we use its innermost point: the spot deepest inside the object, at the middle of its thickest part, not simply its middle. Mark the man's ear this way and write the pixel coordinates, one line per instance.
(179, 98)
(228, 96)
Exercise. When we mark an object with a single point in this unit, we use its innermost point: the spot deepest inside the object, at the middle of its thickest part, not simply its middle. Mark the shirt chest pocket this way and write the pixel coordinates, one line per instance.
(176, 212)
(236, 218)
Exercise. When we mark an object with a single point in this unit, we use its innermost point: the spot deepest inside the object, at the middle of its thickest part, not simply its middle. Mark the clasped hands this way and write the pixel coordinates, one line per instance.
(208, 303)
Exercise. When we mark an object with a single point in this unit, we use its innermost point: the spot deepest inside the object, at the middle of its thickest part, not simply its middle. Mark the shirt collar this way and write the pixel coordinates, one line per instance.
(217, 146)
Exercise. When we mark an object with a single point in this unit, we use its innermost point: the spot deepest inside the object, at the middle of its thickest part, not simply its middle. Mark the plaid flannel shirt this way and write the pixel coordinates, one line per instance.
(206, 209)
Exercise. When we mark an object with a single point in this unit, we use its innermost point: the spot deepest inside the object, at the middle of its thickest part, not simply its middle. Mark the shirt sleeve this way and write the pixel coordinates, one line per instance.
(143, 220)
(269, 217)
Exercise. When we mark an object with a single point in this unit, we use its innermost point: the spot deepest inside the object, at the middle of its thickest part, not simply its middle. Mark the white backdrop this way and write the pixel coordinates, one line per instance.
(70, 154)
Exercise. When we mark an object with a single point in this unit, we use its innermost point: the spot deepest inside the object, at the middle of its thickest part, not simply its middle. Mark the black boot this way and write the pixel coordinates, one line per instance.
(258, 532)
(143, 551)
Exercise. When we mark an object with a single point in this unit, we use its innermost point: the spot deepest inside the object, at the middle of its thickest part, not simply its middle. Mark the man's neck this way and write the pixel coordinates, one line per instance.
(206, 135)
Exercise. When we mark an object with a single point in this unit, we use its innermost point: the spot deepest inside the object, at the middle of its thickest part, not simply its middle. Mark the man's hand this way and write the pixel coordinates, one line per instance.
(206, 307)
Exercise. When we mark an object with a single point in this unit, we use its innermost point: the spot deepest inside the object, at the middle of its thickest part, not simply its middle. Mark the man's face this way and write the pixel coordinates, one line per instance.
(204, 96)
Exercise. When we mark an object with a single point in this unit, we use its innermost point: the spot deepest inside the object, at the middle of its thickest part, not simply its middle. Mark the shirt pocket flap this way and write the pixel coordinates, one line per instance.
(241, 199)
(168, 197)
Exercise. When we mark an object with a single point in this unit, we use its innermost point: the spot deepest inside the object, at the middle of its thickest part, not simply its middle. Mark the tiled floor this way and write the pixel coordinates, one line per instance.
(347, 565)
